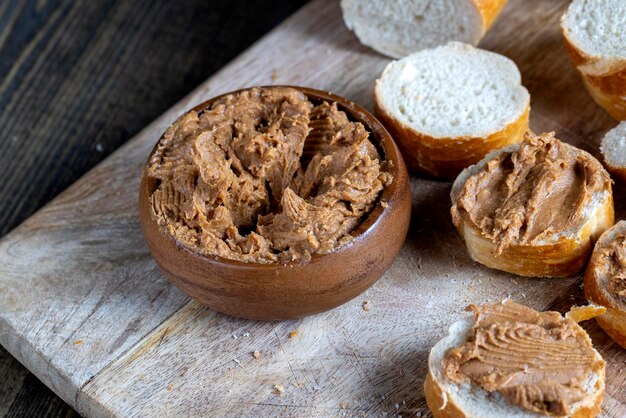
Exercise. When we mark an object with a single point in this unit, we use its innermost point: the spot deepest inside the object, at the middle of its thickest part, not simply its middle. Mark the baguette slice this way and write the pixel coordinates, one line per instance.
(562, 255)
(613, 322)
(400, 27)
(596, 40)
(613, 149)
(449, 106)
(448, 399)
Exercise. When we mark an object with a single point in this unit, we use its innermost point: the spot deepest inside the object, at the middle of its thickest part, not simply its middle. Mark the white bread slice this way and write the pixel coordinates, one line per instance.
(400, 27)
(613, 149)
(562, 255)
(449, 106)
(447, 399)
(613, 322)
(596, 39)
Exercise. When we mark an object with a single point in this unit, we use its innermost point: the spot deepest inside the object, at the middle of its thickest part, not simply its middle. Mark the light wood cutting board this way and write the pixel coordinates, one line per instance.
(84, 307)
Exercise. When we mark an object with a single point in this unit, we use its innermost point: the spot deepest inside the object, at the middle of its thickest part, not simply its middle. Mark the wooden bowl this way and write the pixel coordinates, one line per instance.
(284, 291)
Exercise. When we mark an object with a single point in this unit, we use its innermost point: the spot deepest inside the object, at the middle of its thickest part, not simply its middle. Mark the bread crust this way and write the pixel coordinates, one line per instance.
(613, 322)
(489, 11)
(618, 172)
(604, 78)
(446, 157)
(441, 406)
(563, 258)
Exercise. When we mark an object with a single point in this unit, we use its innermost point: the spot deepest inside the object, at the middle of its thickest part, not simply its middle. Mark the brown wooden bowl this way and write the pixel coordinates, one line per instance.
(284, 291)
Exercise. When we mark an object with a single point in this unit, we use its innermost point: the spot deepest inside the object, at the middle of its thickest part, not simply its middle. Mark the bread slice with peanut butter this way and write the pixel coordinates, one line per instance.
(605, 281)
(533, 209)
(512, 361)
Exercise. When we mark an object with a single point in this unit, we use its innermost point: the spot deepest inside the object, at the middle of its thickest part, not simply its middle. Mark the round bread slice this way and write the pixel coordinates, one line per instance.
(398, 28)
(557, 254)
(597, 279)
(449, 106)
(613, 149)
(596, 39)
(449, 399)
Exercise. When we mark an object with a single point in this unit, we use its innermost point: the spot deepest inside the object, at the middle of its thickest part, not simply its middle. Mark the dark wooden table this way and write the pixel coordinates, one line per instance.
(80, 77)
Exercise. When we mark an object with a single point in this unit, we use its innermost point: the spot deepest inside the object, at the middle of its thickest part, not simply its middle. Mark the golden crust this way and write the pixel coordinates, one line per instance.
(439, 406)
(613, 322)
(585, 313)
(609, 92)
(616, 171)
(489, 10)
(605, 79)
(446, 157)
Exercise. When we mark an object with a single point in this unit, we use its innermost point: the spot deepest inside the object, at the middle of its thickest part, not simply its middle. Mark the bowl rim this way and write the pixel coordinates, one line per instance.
(383, 142)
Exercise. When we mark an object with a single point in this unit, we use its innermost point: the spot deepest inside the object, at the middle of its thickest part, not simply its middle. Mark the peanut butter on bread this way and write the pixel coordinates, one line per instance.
(539, 361)
(265, 175)
(612, 265)
(530, 195)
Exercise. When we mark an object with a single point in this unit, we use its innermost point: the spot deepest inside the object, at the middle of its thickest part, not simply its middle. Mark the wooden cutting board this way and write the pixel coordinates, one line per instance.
(84, 307)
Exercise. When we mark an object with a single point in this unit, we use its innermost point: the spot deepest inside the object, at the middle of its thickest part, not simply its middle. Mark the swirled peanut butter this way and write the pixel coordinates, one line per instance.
(538, 361)
(265, 175)
(531, 194)
(612, 266)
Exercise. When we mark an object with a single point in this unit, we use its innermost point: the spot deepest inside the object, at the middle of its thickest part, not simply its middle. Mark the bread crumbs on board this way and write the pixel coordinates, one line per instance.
(293, 334)
(256, 354)
(279, 389)
(366, 306)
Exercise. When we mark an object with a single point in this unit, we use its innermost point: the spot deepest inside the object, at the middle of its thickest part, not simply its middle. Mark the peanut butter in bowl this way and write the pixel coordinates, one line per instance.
(265, 175)
(275, 202)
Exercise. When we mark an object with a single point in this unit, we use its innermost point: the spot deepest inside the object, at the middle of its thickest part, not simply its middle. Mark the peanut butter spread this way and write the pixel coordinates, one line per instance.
(532, 194)
(613, 265)
(265, 175)
(538, 361)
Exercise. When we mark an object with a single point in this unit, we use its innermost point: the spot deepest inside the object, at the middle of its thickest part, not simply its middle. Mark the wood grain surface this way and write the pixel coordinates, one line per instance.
(85, 308)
